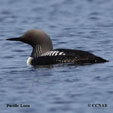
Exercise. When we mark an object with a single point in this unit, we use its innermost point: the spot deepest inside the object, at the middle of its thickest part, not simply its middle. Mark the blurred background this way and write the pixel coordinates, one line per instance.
(75, 24)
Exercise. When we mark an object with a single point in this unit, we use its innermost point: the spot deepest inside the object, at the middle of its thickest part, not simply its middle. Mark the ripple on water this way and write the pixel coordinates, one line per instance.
(85, 25)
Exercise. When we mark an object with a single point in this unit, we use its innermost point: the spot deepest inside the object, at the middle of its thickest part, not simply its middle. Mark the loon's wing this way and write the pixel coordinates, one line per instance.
(81, 57)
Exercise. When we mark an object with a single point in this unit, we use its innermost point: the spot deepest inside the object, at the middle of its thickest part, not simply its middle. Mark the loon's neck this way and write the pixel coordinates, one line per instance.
(38, 50)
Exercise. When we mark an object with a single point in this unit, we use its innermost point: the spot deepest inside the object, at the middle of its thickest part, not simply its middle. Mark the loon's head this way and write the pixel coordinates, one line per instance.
(37, 39)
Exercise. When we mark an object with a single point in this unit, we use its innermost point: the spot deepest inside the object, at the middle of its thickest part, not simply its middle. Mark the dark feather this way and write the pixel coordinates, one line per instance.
(71, 56)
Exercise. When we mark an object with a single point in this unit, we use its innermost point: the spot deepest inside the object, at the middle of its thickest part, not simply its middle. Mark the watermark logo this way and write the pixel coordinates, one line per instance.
(17, 105)
(97, 105)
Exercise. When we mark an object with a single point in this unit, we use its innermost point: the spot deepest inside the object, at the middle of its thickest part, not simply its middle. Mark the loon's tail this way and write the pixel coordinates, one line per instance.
(101, 60)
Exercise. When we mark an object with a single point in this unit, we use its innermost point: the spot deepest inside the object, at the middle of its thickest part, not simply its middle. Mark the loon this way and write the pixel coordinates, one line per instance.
(43, 53)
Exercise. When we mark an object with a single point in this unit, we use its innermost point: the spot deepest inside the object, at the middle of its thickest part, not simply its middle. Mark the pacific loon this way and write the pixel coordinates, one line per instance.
(43, 53)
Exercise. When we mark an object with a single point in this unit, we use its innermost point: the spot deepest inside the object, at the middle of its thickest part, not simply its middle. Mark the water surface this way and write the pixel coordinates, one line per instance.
(76, 24)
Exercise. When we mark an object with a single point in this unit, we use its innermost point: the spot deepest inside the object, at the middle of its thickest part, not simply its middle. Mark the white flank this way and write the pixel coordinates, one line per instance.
(50, 53)
(29, 61)
(53, 53)
(56, 53)
(61, 53)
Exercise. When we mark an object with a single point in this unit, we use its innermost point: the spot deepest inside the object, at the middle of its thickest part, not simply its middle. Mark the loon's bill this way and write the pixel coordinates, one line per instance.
(43, 53)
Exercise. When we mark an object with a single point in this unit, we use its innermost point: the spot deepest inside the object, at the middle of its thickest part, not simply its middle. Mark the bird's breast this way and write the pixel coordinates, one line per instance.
(29, 61)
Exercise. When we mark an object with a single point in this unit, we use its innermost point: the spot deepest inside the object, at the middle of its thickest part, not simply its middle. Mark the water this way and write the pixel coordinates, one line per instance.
(76, 24)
